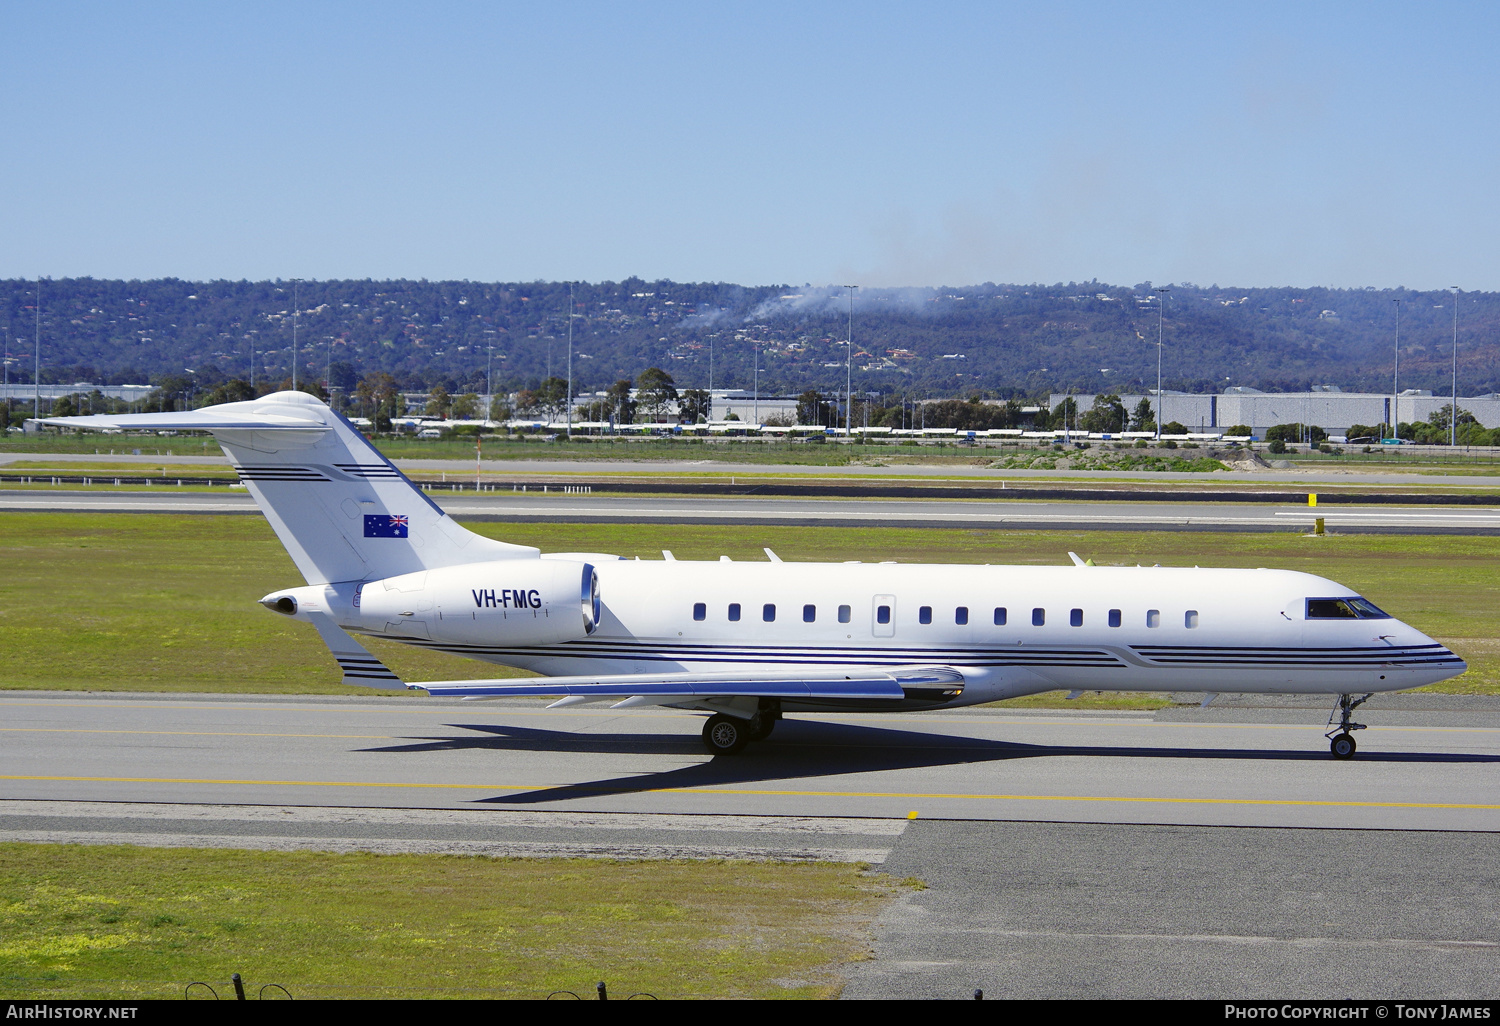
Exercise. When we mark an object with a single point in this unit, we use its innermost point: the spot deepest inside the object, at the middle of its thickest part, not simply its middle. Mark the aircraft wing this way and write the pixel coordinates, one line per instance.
(890, 683)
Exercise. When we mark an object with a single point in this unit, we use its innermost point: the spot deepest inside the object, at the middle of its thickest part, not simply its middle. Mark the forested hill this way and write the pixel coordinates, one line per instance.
(996, 339)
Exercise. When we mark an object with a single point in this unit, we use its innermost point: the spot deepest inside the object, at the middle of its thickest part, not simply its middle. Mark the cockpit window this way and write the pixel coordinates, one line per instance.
(1351, 608)
(1330, 609)
(1367, 610)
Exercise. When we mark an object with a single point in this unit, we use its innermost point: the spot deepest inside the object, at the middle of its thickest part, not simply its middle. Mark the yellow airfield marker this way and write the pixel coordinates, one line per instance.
(1108, 799)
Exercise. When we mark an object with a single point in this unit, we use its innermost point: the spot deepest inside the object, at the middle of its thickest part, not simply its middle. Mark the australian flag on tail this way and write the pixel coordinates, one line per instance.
(384, 526)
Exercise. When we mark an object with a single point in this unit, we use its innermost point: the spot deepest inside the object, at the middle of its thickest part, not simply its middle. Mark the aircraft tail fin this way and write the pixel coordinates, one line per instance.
(343, 511)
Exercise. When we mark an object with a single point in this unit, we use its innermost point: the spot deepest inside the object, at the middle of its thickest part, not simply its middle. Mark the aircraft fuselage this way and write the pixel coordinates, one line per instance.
(1012, 630)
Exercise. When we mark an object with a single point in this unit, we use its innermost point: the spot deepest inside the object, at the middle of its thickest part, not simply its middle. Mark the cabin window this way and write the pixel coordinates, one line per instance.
(924, 615)
(700, 611)
(768, 612)
(1038, 617)
(844, 614)
(1153, 618)
(1114, 618)
(1076, 618)
(961, 615)
(999, 616)
(809, 614)
(1190, 618)
(734, 611)
(882, 614)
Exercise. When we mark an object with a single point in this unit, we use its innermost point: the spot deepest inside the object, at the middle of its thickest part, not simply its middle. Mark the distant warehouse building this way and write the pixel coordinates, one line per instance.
(1328, 407)
(21, 393)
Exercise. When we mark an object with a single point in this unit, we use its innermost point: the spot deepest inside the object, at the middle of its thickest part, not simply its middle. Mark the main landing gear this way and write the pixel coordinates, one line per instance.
(728, 735)
(1340, 740)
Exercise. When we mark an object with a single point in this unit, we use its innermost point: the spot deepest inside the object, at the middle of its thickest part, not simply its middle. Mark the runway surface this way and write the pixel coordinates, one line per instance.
(794, 471)
(1185, 853)
(976, 514)
(1080, 910)
(1429, 770)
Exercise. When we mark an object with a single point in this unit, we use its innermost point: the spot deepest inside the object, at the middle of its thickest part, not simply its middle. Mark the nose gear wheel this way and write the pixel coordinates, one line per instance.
(1340, 738)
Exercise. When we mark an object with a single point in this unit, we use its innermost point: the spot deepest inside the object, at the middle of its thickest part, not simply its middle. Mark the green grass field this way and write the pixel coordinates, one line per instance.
(167, 603)
(127, 922)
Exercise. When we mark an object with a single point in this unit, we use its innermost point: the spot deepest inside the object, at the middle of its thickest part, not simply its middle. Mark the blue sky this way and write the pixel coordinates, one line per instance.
(1344, 144)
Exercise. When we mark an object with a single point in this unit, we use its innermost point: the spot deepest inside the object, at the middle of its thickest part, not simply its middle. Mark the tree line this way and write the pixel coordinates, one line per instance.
(1001, 341)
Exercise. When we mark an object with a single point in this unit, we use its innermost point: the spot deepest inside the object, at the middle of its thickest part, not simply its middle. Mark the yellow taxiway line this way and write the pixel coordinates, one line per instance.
(1319, 803)
(187, 733)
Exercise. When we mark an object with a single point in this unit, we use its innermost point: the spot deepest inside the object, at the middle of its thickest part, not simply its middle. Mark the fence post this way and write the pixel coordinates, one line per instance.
(239, 987)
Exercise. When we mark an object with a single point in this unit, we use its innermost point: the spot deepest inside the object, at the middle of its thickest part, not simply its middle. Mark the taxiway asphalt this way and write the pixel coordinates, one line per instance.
(1416, 769)
(1186, 853)
(513, 507)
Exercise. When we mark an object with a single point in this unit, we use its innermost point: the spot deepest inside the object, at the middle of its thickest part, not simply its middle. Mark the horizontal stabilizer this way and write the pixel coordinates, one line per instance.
(244, 416)
(889, 684)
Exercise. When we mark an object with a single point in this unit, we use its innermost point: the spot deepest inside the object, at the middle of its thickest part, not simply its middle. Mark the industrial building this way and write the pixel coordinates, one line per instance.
(1327, 407)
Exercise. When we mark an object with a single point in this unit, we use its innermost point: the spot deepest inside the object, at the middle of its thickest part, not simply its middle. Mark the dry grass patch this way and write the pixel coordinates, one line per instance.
(78, 921)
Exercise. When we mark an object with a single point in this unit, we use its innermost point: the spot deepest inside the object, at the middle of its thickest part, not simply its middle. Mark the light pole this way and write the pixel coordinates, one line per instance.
(1396, 373)
(1161, 303)
(1453, 409)
(849, 368)
(36, 376)
(295, 283)
(5, 426)
(756, 344)
(571, 307)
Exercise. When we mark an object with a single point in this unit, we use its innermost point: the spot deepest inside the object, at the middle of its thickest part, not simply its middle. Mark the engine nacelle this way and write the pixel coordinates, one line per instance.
(505, 602)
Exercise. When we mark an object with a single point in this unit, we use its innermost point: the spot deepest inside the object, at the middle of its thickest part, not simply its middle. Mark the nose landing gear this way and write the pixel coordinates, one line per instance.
(1340, 740)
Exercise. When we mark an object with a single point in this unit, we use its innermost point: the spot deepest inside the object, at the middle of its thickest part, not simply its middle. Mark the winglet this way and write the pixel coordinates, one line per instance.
(361, 669)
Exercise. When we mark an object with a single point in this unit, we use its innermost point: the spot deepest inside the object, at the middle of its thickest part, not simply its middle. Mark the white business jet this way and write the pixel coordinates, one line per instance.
(749, 642)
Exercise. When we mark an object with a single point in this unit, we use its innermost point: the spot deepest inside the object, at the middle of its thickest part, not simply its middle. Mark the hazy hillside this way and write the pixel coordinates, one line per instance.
(1001, 339)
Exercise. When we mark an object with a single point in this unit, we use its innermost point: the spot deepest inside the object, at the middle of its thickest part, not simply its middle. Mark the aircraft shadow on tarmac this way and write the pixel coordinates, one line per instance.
(804, 749)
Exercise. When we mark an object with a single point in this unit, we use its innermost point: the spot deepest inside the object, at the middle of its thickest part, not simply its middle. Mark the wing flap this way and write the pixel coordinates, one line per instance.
(883, 683)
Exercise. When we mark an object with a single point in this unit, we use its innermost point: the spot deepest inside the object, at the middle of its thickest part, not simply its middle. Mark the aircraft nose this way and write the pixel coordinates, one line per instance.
(1412, 648)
